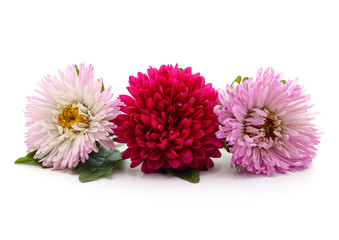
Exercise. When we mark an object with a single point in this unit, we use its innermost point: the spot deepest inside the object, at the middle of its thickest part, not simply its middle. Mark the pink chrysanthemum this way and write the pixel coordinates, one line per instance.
(267, 125)
(169, 120)
(71, 118)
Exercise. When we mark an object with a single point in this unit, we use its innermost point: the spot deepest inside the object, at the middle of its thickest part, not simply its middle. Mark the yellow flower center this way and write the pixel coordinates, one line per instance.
(70, 116)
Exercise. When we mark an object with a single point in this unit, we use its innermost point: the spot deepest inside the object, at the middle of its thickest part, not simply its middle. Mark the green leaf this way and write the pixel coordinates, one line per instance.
(180, 69)
(245, 78)
(238, 79)
(29, 158)
(226, 146)
(24, 160)
(87, 175)
(102, 87)
(283, 81)
(191, 175)
(98, 164)
(77, 69)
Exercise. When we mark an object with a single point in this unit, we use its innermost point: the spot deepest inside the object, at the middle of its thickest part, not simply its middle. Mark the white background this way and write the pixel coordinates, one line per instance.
(219, 39)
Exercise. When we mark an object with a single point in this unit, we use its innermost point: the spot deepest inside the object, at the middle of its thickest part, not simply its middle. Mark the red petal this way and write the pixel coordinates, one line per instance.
(144, 153)
(155, 155)
(120, 140)
(207, 140)
(185, 123)
(206, 123)
(198, 153)
(210, 130)
(198, 115)
(160, 106)
(150, 104)
(215, 153)
(128, 134)
(145, 119)
(189, 112)
(197, 134)
(135, 152)
(189, 142)
(128, 124)
(191, 101)
(127, 153)
(151, 164)
(151, 144)
(154, 124)
(127, 100)
(145, 169)
(170, 153)
(187, 156)
(133, 92)
(208, 147)
(163, 144)
(218, 143)
(141, 141)
(174, 163)
(196, 144)
(194, 164)
(160, 162)
(135, 163)
(120, 119)
(157, 97)
(132, 142)
(179, 142)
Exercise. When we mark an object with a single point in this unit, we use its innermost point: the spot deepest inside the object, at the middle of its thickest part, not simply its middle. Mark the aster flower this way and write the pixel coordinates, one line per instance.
(71, 118)
(267, 125)
(169, 122)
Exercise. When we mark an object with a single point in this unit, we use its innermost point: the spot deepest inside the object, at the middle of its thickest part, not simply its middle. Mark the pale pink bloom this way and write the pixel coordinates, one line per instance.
(267, 124)
(70, 118)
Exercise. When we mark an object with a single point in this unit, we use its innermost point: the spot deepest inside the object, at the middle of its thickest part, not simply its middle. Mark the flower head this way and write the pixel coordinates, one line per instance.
(169, 120)
(70, 118)
(267, 125)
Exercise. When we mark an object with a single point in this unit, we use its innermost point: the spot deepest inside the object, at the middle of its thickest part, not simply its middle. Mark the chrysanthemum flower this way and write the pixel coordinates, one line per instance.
(169, 121)
(71, 118)
(267, 125)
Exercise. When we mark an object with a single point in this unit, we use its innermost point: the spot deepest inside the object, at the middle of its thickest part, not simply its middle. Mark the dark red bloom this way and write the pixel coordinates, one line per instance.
(169, 120)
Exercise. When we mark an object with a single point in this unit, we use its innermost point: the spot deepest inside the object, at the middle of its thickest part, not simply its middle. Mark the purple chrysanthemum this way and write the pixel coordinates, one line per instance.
(267, 125)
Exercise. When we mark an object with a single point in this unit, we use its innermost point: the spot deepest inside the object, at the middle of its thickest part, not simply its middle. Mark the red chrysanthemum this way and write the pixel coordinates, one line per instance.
(169, 120)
